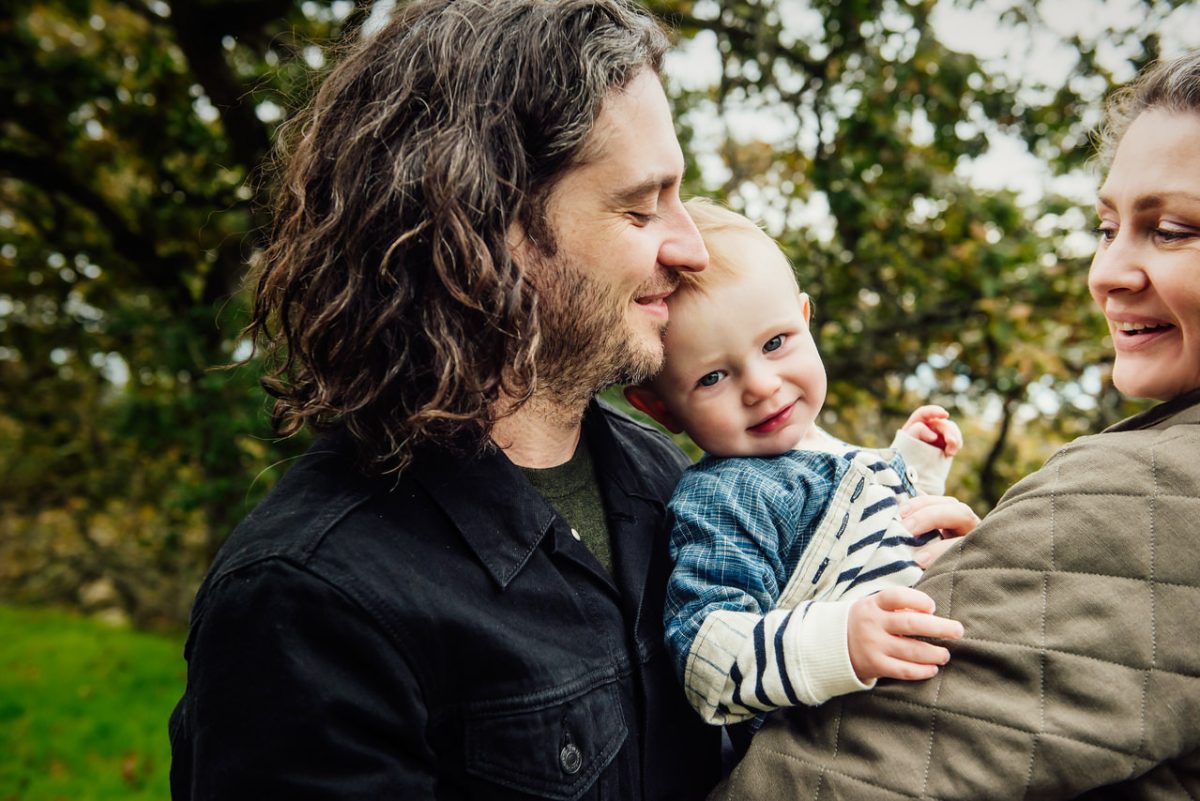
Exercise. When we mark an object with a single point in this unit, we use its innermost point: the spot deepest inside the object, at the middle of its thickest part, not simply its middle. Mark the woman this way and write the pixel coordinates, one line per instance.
(1079, 673)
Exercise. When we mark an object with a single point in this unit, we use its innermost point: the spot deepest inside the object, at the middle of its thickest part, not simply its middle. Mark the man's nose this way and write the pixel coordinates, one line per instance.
(683, 249)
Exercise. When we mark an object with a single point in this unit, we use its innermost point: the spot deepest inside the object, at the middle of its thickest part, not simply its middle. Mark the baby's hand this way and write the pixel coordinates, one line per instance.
(932, 424)
(950, 517)
(880, 632)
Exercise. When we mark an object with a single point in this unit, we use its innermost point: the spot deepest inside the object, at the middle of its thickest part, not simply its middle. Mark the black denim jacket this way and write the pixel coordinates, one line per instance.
(441, 636)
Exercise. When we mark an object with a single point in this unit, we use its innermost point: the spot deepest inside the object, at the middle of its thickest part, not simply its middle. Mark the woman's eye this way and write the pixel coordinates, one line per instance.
(1173, 234)
(1106, 231)
(774, 343)
(711, 378)
(641, 218)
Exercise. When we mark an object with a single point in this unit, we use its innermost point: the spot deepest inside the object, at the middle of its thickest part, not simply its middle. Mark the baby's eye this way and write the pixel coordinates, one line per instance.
(711, 378)
(774, 343)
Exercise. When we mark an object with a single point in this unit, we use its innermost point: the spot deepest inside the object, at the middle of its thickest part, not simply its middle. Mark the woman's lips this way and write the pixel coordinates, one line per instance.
(777, 420)
(1136, 339)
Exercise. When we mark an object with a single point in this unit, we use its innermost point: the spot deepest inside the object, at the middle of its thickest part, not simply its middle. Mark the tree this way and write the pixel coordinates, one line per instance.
(133, 199)
(131, 206)
(926, 288)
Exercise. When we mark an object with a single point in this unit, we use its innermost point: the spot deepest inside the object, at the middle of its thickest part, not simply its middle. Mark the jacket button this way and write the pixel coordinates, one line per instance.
(570, 758)
(912, 475)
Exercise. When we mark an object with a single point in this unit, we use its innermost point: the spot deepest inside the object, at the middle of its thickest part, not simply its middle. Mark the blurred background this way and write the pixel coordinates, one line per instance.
(926, 165)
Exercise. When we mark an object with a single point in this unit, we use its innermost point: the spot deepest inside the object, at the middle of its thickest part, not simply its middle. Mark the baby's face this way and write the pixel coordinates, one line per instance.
(742, 373)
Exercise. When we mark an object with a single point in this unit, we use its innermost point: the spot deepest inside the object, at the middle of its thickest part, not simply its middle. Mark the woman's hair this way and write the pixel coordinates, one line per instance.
(388, 299)
(1172, 86)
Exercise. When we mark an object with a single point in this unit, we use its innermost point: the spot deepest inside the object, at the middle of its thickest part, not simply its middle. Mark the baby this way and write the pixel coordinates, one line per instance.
(793, 563)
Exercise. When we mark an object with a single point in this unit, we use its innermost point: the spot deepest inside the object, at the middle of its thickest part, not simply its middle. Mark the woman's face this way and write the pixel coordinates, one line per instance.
(1145, 275)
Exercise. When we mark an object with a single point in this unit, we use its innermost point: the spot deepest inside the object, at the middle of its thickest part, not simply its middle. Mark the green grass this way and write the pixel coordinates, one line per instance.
(84, 708)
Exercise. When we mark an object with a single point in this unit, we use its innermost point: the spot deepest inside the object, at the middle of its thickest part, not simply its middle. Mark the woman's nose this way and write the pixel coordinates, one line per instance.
(1119, 265)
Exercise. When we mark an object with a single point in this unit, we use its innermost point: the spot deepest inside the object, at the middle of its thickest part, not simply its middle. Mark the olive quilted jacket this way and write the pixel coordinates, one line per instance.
(1079, 675)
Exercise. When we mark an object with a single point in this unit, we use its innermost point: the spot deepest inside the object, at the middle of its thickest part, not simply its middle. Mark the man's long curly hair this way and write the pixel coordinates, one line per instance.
(388, 299)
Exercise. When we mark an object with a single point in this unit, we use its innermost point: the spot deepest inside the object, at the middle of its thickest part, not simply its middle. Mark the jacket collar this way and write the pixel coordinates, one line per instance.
(634, 485)
(499, 514)
(503, 519)
(1186, 408)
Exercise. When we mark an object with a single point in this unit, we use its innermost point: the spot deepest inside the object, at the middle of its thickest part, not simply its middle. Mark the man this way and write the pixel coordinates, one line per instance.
(477, 228)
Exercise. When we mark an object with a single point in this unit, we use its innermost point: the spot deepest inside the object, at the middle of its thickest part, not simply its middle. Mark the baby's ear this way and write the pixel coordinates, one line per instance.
(646, 400)
(806, 306)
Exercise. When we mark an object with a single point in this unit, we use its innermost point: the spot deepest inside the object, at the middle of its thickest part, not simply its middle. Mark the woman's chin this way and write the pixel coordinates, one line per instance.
(1138, 382)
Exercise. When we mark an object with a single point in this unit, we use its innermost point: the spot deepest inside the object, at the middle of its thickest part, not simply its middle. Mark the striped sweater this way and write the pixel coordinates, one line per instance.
(769, 555)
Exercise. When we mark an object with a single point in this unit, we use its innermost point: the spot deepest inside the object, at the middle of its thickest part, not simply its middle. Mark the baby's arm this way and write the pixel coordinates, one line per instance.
(738, 655)
(735, 654)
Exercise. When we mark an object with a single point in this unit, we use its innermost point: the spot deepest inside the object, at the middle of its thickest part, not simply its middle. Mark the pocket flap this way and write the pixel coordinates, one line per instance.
(552, 747)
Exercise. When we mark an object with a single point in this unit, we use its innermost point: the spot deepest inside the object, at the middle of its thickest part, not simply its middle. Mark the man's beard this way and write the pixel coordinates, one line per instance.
(588, 342)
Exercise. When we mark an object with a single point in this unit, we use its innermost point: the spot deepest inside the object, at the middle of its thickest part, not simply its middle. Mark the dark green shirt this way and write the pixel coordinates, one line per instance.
(572, 491)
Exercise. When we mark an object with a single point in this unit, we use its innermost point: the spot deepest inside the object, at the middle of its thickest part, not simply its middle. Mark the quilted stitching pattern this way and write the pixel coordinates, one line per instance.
(1080, 596)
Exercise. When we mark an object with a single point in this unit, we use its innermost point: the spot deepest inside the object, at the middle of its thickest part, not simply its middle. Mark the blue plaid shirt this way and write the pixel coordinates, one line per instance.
(740, 527)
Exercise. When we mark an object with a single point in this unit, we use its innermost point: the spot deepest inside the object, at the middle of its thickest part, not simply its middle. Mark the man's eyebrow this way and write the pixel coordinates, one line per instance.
(642, 189)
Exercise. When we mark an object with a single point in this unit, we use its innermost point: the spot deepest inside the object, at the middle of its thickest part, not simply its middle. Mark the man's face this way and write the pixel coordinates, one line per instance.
(621, 233)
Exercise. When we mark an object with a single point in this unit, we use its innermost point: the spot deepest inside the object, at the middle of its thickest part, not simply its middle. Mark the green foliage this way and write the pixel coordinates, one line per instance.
(133, 200)
(129, 209)
(84, 708)
(928, 289)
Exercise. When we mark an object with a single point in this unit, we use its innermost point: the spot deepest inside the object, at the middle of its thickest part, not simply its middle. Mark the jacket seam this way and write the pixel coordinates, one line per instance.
(1027, 647)
(1009, 569)
(550, 697)
(826, 769)
(1010, 727)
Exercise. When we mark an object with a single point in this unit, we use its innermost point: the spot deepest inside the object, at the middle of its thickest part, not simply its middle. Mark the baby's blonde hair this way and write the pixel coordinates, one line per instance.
(721, 229)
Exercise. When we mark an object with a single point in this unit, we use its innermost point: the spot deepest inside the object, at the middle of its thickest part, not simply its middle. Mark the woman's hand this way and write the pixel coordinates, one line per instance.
(880, 634)
(949, 516)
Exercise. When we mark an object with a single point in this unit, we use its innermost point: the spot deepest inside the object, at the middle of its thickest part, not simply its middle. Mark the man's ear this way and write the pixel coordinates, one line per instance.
(646, 400)
(806, 305)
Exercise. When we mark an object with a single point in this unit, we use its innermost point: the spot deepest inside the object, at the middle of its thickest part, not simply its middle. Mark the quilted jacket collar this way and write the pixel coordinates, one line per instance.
(1184, 409)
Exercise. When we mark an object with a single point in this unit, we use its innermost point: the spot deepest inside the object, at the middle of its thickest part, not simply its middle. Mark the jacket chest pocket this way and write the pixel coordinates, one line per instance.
(552, 748)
